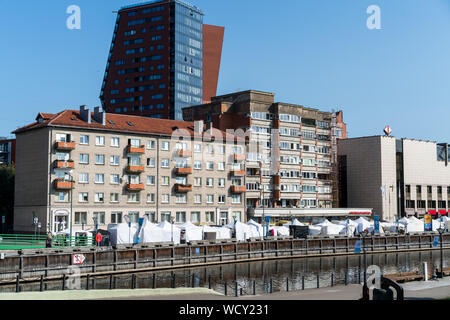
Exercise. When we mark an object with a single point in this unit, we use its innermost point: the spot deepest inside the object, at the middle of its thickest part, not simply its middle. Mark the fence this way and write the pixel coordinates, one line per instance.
(19, 241)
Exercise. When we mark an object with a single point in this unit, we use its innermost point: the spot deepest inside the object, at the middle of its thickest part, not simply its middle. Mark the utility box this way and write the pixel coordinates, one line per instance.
(299, 232)
(210, 236)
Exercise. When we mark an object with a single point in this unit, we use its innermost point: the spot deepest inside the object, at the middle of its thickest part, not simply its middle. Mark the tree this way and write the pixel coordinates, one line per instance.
(7, 174)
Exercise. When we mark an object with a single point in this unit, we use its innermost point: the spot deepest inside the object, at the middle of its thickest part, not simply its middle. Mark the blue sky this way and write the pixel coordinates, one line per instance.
(318, 53)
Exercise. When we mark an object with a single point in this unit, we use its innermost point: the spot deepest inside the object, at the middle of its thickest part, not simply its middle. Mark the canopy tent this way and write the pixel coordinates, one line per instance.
(76, 232)
(122, 233)
(315, 230)
(170, 232)
(192, 232)
(332, 229)
(221, 233)
(241, 230)
(150, 232)
(324, 223)
(349, 227)
(295, 222)
(280, 230)
(255, 228)
(363, 224)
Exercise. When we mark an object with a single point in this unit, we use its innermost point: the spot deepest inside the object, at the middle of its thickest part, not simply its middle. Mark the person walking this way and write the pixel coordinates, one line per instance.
(48, 241)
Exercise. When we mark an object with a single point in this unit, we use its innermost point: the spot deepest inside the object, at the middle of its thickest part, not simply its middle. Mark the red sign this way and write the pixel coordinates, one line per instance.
(78, 258)
(98, 238)
(387, 130)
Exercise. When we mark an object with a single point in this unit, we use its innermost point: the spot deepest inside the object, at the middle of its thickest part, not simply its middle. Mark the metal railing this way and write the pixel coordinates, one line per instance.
(20, 241)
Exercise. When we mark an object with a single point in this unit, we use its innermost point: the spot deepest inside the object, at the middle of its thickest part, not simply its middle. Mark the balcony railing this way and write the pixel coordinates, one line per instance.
(135, 169)
(239, 157)
(61, 184)
(238, 173)
(136, 149)
(184, 153)
(135, 187)
(238, 189)
(183, 187)
(66, 146)
(64, 164)
(183, 171)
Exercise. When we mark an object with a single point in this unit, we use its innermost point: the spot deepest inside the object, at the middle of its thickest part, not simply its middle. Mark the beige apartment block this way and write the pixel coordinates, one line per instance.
(125, 166)
(395, 177)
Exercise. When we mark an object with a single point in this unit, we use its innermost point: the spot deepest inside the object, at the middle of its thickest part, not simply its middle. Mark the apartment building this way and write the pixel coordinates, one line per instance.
(396, 177)
(162, 58)
(291, 149)
(7, 151)
(99, 167)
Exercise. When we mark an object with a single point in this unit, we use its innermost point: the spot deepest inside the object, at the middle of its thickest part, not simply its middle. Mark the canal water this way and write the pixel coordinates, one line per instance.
(264, 276)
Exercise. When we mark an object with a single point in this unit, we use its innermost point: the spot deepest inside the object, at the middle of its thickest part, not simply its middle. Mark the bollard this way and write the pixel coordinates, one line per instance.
(271, 285)
(173, 281)
(345, 278)
(154, 281)
(110, 282)
(64, 282)
(425, 270)
(133, 281)
(41, 284)
(17, 284)
(254, 287)
(236, 289)
(332, 279)
(193, 281)
(209, 282)
(241, 291)
(87, 281)
(318, 281)
(225, 288)
(303, 282)
(287, 284)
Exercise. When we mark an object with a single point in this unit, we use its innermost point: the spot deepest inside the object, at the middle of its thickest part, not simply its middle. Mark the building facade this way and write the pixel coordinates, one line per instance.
(291, 149)
(162, 59)
(100, 167)
(396, 177)
(7, 151)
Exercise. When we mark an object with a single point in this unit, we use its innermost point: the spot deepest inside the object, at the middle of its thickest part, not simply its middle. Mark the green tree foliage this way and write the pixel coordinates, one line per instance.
(7, 174)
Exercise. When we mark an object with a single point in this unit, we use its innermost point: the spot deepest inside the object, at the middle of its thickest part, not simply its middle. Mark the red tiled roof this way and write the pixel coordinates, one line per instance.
(120, 123)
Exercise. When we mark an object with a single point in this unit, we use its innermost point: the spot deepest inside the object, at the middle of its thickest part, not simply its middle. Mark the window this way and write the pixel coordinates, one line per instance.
(197, 165)
(62, 197)
(136, 143)
(165, 146)
(210, 198)
(114, 197)
(165, 163)
(410, 204)
(151, 216)
(165, 180)
(429, 189)
(83, 178)
(181, 217)
(114, 160)
(134, 217)
(195, 217)
(209, 148)
(197, 148)
(221, 182)
(221, 166)
(83, 197)
(221, 199)
(151, 162)
(165, 198)
(134, 179)
(84, 158)
(209, 165)
(197, 182)
(151, 144)
(198, 198)
(222, 150)
(165, 216)
(150, 180)
(134, 197)
(116, 217)
(210, 216)
(237, 215)
(151, 198)
(236, 198)
(114, 179)
(99, 197)
(100, 159)
(80, 217)
(84, 139)
(99, 217)
(100, 141)
(99, 178)
(181, 198)
(115, 142)
(209, 182)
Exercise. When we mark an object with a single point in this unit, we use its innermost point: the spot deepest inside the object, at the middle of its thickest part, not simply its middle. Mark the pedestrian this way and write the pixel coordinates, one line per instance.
(48, 241)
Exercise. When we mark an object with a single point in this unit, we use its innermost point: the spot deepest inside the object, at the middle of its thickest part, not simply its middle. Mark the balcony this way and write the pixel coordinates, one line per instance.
(65, 146)
(135, 169)
(183, 187)
(61, 184)
(135, 187)
(64, 164)
(239, 157)
(184, 153)
(135, 149)
(276, 194)
(183, 171)
(238, 173)
(277, 180)
(238, 189)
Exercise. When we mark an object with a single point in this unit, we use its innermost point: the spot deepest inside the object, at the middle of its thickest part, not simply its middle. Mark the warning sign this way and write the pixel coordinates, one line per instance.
(78, 259)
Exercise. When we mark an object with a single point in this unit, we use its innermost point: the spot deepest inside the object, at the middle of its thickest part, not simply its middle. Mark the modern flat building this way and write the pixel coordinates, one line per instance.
(105, 166)
(162, 59)
(7, 151)
(295, 149)
(395, 177)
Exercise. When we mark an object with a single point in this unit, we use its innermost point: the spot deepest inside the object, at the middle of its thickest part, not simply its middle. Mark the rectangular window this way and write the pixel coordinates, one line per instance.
(114, 160)
(197, 148)
(100, 159)
(114, 197)
(150, 180)
(151, 162)
(84, 158)
(221, 199)
(210, 182)
(165, 146)
(221, 166)
(165, 216)
(236, 198)
(197, 182)
(151, 144)
(116, 217)
(136, 143)
(100, 141)
(134, 217)
(115, 142)
(80, 217)
(99, 197)
(165, 181)
(197, 165)
(151, 198)
(151, 216)
(237, 215)
(221, 182)
(165, 163)
(62, 197)
(134, 197)
(99, 217)
(114, 179)
(198, 198)
(195, 217)
(181, 217)
(210, 216)
(83, 178)
(84, 139)
(83, 197)
(209, 165)
(99, 178)
(165, 198)
(181, 198)
(210, 198)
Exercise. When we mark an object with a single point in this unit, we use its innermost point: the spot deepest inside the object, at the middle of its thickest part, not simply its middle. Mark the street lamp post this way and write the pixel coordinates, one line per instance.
(71, 208)
(441, 230)
(363, 235)
(172, 220)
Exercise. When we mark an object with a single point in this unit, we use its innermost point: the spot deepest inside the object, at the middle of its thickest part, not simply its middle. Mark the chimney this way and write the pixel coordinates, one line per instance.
(85, 114)
(100, 115)
(198, 127)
